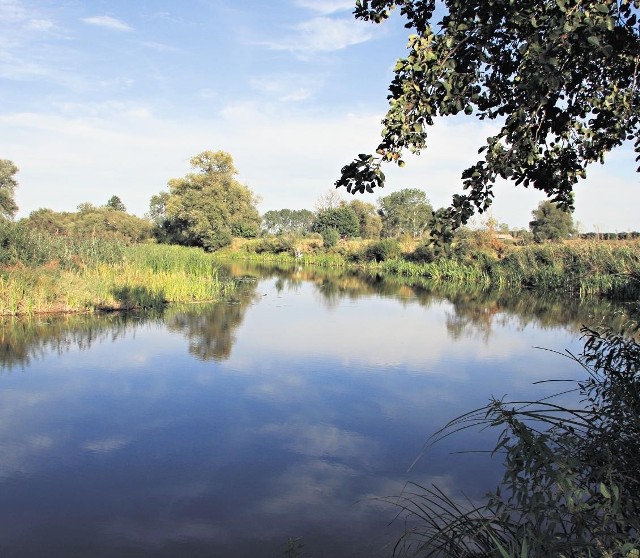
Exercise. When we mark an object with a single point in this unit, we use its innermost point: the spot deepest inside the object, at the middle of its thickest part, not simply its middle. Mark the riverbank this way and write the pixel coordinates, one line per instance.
(59, 275)
(579, 268)
(142, 276)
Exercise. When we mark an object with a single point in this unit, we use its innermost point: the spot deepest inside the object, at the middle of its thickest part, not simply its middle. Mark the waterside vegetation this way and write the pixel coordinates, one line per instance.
(49, 273)
(570, 486)
(579, 267)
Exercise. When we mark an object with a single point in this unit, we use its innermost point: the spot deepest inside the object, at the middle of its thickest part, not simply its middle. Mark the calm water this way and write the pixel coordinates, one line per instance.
(222, 430)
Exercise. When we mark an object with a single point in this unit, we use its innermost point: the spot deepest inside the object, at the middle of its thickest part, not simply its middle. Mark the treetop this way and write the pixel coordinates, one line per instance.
(559, 76)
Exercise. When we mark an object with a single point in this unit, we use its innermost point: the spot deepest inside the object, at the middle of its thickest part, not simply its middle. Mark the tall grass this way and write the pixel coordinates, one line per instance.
(23, 246)
(143, 276)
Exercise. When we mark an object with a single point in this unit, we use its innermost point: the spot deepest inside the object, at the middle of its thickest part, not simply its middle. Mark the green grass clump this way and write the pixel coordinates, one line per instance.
(145, 276)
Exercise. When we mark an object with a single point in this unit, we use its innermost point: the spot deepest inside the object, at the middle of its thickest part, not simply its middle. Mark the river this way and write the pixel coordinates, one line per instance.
(287, 413)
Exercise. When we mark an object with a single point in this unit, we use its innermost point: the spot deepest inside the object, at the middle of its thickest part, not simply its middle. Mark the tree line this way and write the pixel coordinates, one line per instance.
(209, 206)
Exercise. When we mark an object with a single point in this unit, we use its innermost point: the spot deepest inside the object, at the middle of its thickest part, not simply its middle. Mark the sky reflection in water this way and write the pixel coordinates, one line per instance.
(222, 430)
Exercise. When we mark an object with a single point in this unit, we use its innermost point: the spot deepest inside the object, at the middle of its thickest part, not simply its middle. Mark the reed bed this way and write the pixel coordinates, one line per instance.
(583, 268)
(146, 276)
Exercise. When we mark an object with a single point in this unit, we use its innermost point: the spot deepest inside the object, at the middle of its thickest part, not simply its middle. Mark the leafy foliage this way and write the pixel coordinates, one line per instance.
(551, 222)
(385, 249)
(206, 207)
(8, 185)
(571, 485)
(91, 221)
(330, 237)
(288, 221)
(559, 76)
(341, 219)
(405, 212)
(116, 204)
(369, 221)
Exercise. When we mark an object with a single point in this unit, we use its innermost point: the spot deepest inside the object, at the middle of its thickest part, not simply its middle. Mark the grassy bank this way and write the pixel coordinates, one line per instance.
(139, 276)
(578, 267)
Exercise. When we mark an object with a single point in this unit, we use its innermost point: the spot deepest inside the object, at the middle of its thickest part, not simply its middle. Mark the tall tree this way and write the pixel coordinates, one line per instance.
(8, 185)
(551, 222)
(343, 220)
(370, 223)
(405, 212)
(288, 221)
(560, 77)
(116, 204)
(208, 206)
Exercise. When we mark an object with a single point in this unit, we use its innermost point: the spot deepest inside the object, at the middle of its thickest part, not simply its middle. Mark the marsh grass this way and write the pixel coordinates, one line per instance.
(144, 276)
(582, 268)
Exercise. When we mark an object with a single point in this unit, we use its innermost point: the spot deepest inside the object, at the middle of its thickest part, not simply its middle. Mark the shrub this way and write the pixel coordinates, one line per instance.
(330, 237)
(273, 245)
(385, 249)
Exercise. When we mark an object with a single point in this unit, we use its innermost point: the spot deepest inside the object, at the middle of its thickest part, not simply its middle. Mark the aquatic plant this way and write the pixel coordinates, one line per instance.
(571, 483)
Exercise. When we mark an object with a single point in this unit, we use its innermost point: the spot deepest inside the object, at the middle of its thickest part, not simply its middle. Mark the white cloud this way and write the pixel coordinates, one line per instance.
(326, 6)
(108, 22)
(323, 34)
(287, 87)
(40, 25)
(160, 47)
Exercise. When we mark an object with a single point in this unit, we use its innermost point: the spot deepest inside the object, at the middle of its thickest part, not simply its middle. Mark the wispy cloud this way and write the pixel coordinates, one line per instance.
(108, 22)
(287, 87)
(11, 11)
(323, 34)
(326, 6)
(160, 47)
(40, 25)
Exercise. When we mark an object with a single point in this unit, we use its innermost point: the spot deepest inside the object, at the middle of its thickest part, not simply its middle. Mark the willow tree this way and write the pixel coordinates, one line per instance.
(559, 77)
(206, 207)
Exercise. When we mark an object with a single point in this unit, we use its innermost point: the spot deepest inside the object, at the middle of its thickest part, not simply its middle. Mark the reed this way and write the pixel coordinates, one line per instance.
(147, 276)
(582, 268)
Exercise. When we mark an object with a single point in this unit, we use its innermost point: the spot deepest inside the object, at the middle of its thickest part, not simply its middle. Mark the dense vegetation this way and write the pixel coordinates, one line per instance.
(82, 260)
(54, 273)
(207, 207)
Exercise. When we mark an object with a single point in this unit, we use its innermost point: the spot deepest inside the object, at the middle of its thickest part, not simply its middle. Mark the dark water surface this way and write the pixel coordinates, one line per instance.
(223, 430)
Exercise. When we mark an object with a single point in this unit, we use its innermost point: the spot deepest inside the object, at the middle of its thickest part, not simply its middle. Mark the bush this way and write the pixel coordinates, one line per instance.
(273, 245)
(330, 237)
(216, 239)
(385, 249)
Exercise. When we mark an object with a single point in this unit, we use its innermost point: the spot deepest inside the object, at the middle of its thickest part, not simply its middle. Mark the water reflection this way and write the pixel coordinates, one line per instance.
(222, 430)
(475, 311)
(210, 328)
(25, 339)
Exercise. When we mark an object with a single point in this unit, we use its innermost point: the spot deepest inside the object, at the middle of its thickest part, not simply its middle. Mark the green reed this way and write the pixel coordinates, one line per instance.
(145, 276)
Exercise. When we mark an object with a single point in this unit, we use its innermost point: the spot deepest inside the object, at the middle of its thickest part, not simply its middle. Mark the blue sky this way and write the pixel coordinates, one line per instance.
(113, 97)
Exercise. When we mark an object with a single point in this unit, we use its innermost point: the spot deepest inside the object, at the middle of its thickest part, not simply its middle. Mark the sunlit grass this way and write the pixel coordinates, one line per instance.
(147, 276)
(583, 268)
